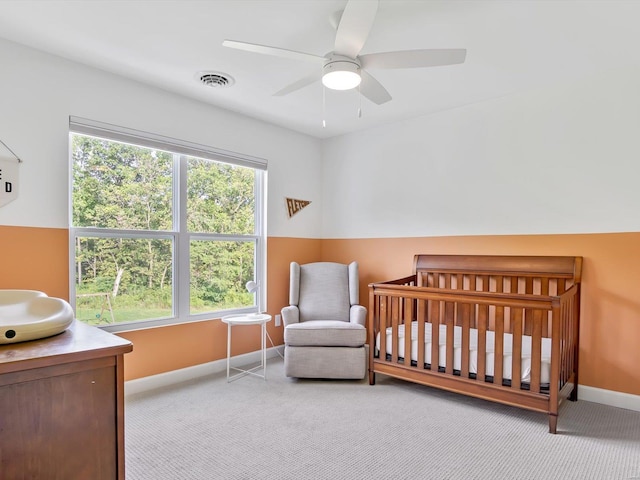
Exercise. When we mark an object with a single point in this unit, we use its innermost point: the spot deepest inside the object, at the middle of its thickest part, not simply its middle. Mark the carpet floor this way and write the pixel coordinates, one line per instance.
(320, 429)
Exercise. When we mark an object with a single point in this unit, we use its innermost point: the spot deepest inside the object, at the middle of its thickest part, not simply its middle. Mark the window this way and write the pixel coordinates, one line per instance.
(161, 230)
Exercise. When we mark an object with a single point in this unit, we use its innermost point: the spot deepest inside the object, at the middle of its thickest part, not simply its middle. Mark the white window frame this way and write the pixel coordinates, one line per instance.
(179, 235)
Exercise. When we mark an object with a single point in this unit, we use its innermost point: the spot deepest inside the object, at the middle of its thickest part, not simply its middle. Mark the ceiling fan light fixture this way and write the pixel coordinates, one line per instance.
(341, 75)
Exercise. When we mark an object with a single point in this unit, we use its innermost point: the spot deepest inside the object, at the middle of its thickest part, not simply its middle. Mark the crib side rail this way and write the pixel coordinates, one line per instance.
(425, 311)
(566, 339)
(455, 295)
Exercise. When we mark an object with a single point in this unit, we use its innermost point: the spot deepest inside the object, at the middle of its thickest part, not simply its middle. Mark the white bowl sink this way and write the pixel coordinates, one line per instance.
(29, 315)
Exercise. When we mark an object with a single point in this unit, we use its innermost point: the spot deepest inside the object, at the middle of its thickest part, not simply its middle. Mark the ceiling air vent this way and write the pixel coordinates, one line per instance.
(215, 79)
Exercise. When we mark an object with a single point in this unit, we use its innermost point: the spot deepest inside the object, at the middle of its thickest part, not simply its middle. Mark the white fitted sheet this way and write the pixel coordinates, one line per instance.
(525, 374)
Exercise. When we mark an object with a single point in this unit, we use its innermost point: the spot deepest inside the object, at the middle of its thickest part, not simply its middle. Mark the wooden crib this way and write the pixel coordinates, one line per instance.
(501, 328)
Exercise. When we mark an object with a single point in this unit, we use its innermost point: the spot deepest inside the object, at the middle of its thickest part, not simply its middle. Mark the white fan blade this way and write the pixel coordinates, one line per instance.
(372, 89)
(303, 82)
(355, 25)
(414, 58)
(275, 51)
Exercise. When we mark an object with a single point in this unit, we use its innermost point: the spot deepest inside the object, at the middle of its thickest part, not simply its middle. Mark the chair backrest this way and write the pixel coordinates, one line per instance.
(323, 290)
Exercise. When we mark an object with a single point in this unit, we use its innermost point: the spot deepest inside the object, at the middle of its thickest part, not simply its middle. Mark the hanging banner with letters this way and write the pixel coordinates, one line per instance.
(8, 180)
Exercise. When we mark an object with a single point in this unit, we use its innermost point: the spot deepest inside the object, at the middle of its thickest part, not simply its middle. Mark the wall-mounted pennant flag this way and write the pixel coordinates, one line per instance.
(8, 176)
(294, 205)
(8, 181)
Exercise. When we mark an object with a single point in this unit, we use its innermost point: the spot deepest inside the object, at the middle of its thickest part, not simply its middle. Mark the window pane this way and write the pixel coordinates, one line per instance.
(219, 273)
(221, 197)
(120, 186)
(128, 216)
(130, 279)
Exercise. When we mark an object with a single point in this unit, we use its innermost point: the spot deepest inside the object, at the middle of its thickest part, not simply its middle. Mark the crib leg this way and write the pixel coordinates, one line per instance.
(553, 423)
(372, 377)
(573, 396)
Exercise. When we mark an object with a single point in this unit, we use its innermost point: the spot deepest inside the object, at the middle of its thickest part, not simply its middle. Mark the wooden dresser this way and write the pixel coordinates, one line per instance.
(62, 406)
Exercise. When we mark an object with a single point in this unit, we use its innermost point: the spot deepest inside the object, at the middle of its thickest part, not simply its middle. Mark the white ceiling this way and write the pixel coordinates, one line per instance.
(512, 46)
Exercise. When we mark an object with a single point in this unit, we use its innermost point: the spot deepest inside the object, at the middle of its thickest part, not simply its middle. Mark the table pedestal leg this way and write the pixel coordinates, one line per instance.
(264, 351)
(228, 349)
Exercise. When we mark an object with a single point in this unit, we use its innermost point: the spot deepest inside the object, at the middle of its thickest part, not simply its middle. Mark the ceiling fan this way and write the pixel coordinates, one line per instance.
(344, 68)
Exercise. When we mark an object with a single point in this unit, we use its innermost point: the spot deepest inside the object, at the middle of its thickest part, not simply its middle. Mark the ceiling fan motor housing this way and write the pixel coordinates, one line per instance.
(341, 73)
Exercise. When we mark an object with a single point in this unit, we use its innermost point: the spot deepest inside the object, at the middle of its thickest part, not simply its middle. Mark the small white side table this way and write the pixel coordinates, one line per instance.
(251, 319)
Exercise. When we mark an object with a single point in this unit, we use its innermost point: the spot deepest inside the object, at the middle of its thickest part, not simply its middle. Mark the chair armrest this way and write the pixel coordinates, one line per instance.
(290, 314)
(358, 314)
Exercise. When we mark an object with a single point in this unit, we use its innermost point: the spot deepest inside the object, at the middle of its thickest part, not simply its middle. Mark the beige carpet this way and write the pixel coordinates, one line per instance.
(313, 429)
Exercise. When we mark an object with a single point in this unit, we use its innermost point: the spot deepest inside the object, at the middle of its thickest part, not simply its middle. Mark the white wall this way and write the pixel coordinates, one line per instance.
(38, 92)
(558, 160)
(564, 159)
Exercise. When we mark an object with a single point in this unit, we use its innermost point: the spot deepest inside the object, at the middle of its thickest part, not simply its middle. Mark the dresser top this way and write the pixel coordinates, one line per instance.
(79, 342)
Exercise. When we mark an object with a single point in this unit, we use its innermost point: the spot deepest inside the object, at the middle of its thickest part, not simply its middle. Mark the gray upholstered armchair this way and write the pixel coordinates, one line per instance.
(324, 332)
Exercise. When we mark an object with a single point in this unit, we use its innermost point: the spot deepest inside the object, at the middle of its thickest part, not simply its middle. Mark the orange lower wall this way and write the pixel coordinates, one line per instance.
(37, 258)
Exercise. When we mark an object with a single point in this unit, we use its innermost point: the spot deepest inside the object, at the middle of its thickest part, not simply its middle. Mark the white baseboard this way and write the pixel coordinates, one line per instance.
(589, 394)
(609, 397)
(152, 382)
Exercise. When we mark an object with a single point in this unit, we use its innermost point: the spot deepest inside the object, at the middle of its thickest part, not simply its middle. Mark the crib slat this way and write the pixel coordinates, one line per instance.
(395, 342)
(572, 334)
(485, 283)
(575, 328)
(434, 318)
(567, 364)
(449, 317)
(574, 315)
(546, 324)
(498, 357)
(459, 313)
(449, 321)
(464, 365)
(528, 321)
(536, 351)
(483, 312)
(544, 286)
(528, 285)
(562, 329)
(513, 288)
(554, 374)
(516, 359)
(383, 327)
(408, 316)
(514, 285)
(420, 319)
(472, 287)
(562, 286)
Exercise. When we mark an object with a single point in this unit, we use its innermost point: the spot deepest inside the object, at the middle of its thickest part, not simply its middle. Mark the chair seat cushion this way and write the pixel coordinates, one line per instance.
(325, 333)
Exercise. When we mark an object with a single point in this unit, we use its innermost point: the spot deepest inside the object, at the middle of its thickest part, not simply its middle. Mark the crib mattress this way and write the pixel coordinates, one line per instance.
(525, 374)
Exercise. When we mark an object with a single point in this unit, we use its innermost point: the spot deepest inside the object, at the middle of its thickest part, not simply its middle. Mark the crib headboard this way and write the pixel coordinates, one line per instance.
(541, 275)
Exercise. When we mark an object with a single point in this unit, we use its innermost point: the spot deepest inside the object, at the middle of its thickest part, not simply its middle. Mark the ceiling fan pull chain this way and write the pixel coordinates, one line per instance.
(324, 109)
(359, 102)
